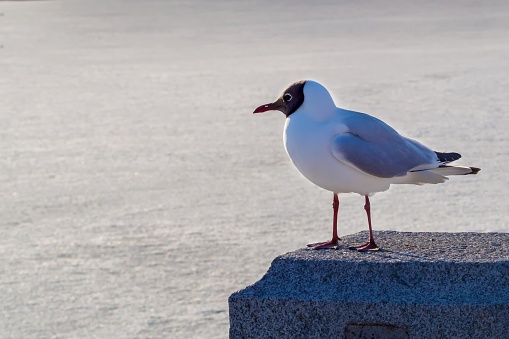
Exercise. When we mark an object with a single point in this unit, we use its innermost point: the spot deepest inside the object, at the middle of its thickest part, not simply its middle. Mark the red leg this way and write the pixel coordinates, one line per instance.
(334, 242)
(370, 245)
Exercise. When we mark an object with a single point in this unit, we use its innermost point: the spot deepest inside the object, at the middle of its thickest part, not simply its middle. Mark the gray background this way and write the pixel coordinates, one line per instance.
(137, 190)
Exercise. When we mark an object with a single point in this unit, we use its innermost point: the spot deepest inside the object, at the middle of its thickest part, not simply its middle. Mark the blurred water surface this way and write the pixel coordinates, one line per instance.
(137, 190)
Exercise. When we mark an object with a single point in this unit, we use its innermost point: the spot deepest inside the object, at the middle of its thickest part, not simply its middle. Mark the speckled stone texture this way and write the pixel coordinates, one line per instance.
(420, 285)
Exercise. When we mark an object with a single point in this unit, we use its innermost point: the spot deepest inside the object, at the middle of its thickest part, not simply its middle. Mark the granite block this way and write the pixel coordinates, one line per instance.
(420, 285)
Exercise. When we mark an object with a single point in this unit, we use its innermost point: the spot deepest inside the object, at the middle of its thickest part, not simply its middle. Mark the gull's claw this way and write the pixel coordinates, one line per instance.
(334, 243)
(369, 246)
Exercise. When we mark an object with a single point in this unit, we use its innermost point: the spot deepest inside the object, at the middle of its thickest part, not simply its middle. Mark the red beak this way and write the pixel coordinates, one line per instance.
(265, 108)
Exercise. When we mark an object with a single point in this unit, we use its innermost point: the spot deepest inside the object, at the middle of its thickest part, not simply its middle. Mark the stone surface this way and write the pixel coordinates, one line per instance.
(431, 285)
(367, 331)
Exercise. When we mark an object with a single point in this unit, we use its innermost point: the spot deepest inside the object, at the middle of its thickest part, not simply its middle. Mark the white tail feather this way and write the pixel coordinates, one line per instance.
(434, 175)
(452, 170)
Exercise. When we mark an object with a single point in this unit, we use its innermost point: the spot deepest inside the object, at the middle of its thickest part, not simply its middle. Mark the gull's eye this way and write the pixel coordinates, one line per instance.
(287, 97)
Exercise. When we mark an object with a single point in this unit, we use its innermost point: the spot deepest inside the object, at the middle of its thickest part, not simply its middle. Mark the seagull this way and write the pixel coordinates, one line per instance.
(344, 151)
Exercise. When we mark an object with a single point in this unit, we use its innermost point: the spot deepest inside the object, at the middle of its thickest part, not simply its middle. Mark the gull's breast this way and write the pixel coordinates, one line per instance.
(308, 144)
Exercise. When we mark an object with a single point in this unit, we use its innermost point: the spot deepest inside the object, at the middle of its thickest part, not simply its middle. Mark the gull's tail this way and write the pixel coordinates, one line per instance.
(455, 170)
(425, 174)
(444, 169)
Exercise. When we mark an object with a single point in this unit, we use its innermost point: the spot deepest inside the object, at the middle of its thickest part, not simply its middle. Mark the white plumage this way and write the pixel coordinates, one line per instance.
(345, 151)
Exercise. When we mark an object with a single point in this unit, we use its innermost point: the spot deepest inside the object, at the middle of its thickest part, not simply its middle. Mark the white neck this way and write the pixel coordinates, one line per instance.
(318, 102)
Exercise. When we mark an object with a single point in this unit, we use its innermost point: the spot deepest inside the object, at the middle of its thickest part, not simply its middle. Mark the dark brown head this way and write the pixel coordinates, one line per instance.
(288, 102)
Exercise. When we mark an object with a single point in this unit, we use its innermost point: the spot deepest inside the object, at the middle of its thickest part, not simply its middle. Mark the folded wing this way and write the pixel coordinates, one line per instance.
(375, 148)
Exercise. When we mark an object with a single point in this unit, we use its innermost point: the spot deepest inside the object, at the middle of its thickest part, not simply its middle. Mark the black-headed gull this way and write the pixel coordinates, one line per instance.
(344, 151)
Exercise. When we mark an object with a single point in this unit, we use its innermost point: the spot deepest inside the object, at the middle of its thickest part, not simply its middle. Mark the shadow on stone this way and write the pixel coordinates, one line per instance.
(422, 285)
(368, 331)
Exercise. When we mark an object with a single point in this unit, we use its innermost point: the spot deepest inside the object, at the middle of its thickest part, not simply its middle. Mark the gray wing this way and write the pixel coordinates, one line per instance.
(377, 149)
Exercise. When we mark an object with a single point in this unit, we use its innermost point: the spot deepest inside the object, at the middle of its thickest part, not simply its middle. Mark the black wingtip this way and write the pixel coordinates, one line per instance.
(475, 170)
(447, 157)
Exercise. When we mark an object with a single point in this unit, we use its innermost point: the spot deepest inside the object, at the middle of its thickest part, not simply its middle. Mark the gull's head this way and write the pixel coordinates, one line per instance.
(288, 102)
(296, 95)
